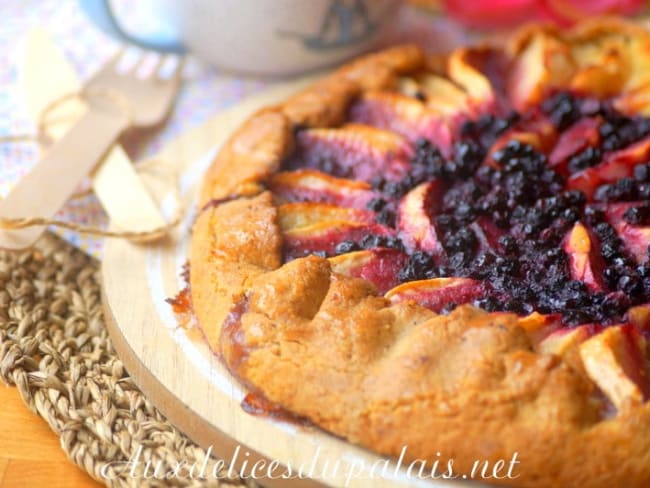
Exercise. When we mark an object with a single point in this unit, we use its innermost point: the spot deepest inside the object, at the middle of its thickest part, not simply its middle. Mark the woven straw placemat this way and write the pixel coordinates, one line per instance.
(55, 349)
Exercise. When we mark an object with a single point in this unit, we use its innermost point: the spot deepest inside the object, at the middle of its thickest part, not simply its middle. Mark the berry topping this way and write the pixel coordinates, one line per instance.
(545, 211)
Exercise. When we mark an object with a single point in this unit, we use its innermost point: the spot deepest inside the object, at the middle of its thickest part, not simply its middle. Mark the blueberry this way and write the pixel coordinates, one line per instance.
(643, 190)
(562, 109)
(458, 260)
(508, 244)
(625, 189)
(394, 189)
(608, 251)
(515, 306)
(376, 204)
(615, 304)
(642, 172)
(418, 266)
(369, 241)
(630, 285)
(638, 215)
(576, 317)
(462, 240)
(593, 215)
(449, 307)
(394, 243)
(428, 157)
(386, 217)
(465, 213)
(377, 183)
(445, 222)
(344, 247)
(575, 197)
(604, 231)
(585, 159)
(604, 193)
(489, 304)
(571, 214)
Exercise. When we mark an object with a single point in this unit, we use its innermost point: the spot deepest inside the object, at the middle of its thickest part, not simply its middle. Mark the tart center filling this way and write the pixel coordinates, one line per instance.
(540, 211)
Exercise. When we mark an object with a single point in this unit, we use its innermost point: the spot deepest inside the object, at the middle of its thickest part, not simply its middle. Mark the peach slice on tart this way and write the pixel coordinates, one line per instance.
(462, 70)
(355, 150)
(414, 221)
(438, 294)
(315, 186)
(636, 100)
(614, 167)
(539, 326)
(585, 262)
(305, 214)
(575, 140)
(560, 341)
(380, 266)
(631, 222)
(443, 95)
(532, 139)
(639, 316)
(404, 115)
(542, 63)
(487, 233)
(615, 360)
(565, 342)
(326, 237)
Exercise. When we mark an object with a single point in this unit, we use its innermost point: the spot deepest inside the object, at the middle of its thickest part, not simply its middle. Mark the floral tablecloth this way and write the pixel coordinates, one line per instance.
(205, 91)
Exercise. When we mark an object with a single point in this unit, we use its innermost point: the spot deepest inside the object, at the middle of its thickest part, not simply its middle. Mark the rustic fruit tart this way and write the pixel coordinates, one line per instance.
(448, 254)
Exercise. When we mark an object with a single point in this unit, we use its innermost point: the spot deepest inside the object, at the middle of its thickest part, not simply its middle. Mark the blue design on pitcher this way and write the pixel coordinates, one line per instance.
(346, 22)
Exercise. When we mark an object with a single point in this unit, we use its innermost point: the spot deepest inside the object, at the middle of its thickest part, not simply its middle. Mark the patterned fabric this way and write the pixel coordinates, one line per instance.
(205, 92)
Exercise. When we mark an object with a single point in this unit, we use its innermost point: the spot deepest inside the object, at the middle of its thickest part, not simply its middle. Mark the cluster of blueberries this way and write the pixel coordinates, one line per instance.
(526, 269)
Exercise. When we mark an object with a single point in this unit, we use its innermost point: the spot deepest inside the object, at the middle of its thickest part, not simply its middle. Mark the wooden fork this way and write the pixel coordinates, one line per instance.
(115, 102)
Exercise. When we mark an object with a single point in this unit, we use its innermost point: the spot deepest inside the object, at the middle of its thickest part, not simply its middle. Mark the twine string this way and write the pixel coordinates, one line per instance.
(41, 139)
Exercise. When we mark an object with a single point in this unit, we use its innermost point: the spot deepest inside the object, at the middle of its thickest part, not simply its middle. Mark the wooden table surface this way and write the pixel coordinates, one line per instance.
(30, 454)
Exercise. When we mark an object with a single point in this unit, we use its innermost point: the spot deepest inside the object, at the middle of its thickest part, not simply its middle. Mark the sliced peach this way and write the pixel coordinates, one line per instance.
(443, 95)
(604, 78)
(324, 237)
(360, 151)
(414, 220)
(576, 138)
(565, 343)
(304, 214)
(615, 362)
(636, 238)
(561, 341)
(585, 262)
(461, 70)
(635, 101)
(437, 293)
(543, 62)
(639, 316)
(314, 186)
(379, 266)
(539, 133)
(402, 114)
(487, 233)
(616, 165)
(538, 326)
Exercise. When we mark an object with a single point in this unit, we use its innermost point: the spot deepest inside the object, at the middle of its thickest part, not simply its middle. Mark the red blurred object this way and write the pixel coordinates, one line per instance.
(493, 14)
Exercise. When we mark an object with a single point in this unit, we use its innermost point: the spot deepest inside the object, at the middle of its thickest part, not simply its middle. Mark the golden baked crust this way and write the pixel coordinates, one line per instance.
(470, 385)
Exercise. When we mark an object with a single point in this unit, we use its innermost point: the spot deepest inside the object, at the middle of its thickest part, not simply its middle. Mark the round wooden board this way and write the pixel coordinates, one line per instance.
(183, 378)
